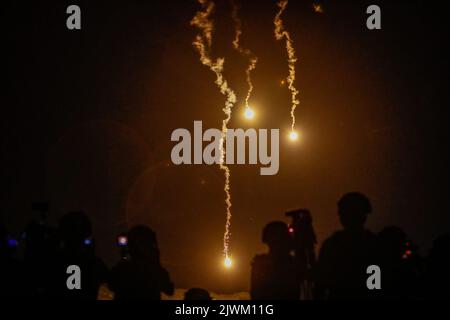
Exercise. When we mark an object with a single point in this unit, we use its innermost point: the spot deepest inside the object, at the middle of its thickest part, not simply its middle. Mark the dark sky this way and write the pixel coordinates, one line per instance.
(87, 117)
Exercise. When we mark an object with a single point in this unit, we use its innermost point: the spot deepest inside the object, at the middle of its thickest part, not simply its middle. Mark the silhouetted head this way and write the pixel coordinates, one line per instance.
(276, 236)
(142, 243)
(74, 229)
(197, 294)
(353, 209)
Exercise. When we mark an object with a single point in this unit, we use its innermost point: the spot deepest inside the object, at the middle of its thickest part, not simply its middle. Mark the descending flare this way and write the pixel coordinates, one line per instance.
(202, 42)
(280, 33)
(228, 262)
(293, 135)
(252, 59)
(249, 113)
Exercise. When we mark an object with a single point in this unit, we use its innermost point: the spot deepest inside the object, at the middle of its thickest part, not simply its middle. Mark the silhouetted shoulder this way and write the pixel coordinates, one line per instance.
(343, 235)
(274, 278)
(260, 259)
(343, 243)
(343, 260)
(139, 280)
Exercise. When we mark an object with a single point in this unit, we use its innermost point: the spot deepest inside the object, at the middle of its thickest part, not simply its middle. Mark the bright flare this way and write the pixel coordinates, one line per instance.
(293, 135)
(282, 33)
(249, 113)
(227, 262)
(247, 53)
(203, 21)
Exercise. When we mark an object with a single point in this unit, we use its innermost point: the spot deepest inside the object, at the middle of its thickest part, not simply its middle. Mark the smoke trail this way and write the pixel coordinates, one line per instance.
(202, 42)
(243, 51)
(280, 33)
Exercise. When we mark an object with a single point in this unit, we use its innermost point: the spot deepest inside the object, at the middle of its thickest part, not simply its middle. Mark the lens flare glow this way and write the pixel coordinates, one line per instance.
(317, 8)
(249, 113)
(227, 262)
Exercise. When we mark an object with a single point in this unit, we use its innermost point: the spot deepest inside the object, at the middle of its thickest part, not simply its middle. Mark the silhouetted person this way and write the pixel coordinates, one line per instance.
(197, 294)
(141, 275)
(400, 265)
(40, 256)
(274, 275)
(77, 248)
(304, 241)
(345, 256)
(438, 269)
(12, 281)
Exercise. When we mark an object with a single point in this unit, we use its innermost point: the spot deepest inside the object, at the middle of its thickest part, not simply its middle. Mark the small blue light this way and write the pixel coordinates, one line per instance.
(88, 241)
(12, 242)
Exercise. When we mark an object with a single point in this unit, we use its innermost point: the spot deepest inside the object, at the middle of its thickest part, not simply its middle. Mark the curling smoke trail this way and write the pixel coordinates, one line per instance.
(202, 42)
(243, 51)
(280, 33)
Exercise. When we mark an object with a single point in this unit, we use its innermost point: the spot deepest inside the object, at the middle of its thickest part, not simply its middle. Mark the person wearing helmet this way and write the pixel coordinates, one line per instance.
(345, 256)
(274, 275)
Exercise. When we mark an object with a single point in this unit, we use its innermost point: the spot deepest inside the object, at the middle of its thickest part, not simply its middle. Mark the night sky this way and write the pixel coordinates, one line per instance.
(87, 117)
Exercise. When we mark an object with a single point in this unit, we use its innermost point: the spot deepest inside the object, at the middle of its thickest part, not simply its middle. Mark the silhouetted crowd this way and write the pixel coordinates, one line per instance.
(290, 270)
